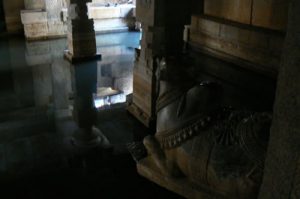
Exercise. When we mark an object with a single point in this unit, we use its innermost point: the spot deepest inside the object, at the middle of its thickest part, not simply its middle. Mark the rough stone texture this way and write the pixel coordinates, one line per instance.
(235, 10)
(12, 10)
(32, 17)
(270, 14)
(281, 179)
(34, 4)
(262, 48)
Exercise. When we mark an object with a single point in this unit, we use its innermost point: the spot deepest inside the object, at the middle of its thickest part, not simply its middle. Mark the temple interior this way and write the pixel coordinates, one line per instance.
(145, 99)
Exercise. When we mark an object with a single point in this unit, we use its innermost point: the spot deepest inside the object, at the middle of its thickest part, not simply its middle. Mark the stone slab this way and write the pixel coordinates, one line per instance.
(36, 30)
(180, 186)
(34, 4)
(33, 16)
(235, 10)
(271, 14)
(253, 45)
(110, 24)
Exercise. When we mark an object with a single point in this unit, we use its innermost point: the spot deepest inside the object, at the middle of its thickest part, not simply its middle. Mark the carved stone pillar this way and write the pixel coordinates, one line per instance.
(82, 53)
(81, 33)
(162, 35)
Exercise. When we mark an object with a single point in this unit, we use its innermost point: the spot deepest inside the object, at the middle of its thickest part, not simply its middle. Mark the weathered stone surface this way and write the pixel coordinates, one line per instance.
(34, 4)
(244, 42)
(235, 10)
(270, 14)
(281, 179)
(33, 16)
(12, 10)
(109, 25)
(36, 30)
(56, 28)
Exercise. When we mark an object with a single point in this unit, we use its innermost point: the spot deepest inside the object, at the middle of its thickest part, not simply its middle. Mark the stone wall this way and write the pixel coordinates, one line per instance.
(270, 14)
(256, 49)
(48, 18)
(249, 33)
(12, 10)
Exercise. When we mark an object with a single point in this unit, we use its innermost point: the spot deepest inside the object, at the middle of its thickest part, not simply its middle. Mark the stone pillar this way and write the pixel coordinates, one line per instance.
(81, 33)
(162, 36)
(282, 166)
(152, 46)
(82, 53)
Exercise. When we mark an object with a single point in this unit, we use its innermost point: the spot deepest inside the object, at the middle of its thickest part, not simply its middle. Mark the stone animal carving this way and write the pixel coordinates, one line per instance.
(204, 142)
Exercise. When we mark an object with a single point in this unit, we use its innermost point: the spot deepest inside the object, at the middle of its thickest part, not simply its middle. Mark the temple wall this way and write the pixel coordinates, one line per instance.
(249, 33)
(270, 14)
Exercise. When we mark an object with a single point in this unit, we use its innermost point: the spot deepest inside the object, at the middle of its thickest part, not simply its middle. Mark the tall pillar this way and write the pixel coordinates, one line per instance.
(81, 33)
(82, 53)
(282, 166)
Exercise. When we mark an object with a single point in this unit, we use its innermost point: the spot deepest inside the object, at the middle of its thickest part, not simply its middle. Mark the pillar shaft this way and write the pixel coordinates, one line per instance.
(81, 33)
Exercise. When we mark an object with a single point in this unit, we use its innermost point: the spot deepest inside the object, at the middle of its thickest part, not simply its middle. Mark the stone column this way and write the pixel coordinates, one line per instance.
(162, 36)
(282, 166)
(82, 53)
(81, 33)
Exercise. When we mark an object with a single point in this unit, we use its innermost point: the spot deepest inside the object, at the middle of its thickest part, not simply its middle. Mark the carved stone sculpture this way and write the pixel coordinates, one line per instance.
(203, 149)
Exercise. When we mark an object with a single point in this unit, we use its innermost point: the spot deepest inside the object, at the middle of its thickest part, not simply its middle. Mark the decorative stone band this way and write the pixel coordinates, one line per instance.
(176, 136)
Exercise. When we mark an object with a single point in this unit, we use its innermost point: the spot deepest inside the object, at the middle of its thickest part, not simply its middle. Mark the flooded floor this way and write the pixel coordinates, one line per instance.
(38, 90)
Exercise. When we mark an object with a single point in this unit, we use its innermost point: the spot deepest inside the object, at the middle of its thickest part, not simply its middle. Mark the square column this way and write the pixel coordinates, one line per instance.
(81, 34)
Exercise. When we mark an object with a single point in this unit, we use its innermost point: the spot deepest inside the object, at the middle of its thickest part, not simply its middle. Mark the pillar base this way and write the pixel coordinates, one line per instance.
(90, 139)
(78, 59)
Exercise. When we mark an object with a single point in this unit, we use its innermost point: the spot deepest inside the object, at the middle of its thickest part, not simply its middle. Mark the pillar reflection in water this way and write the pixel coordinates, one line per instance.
(85, 113)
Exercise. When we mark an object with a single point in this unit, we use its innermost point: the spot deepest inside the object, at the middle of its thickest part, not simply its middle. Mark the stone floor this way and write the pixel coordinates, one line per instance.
(37, 91)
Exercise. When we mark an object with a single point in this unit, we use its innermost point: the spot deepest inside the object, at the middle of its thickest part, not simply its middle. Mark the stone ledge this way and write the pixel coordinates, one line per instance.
(181, 186)
(68, 56)
(259, 46)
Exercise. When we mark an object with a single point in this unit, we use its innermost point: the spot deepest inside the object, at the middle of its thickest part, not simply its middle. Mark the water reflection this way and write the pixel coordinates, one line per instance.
(40, 91)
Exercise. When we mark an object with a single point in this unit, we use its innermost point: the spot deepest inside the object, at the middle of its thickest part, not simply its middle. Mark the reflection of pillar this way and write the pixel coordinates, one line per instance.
(81, 33)
(85, 114)
(282, 166)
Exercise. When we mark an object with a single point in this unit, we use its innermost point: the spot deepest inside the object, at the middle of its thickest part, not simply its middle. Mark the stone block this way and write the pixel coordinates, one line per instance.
(36, 30)
(33, 16)
(104, 12)
(208, 26)
(271, 14)
(110, 24)
(56, 28)
(37, 48)
(54, 8)
(34, 4)
(235, 10)
(254, 45)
